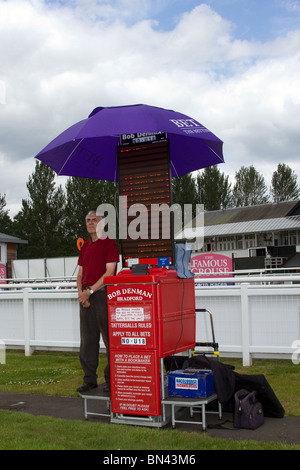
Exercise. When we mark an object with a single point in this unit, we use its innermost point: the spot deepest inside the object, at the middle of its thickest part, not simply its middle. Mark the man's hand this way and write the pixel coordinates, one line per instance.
(83, 298)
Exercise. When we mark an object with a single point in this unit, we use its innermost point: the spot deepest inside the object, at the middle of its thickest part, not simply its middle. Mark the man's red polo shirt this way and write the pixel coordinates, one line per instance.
(94, 256)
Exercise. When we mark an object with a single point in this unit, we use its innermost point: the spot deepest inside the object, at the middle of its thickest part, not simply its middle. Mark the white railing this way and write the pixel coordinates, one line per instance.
(253, 317)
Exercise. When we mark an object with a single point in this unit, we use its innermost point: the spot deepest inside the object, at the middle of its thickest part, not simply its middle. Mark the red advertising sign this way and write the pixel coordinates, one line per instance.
(132, 319)
(133, 293)
(3, 274)
(132, 326)
(211, 265)
(135, 382)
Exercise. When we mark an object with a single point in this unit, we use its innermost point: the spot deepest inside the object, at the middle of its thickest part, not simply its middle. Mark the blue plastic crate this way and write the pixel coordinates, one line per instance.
(191, 383)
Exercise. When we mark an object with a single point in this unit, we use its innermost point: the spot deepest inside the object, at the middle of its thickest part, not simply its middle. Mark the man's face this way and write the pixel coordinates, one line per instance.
(92, 220)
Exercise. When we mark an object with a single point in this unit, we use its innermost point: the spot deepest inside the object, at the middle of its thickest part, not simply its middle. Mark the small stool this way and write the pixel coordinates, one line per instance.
(95, 394)
(192, 403)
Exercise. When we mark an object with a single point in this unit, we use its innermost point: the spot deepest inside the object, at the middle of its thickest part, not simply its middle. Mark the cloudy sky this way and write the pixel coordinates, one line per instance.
(234, 65)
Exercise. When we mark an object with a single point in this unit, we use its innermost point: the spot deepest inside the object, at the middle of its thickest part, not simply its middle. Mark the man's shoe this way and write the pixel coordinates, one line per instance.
(86, 387)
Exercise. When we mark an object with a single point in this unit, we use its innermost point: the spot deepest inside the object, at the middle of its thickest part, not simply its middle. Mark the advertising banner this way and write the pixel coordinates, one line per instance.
(3, 274)
(211, 265)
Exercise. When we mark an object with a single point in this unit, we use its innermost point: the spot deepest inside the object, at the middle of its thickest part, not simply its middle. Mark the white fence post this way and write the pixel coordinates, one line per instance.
(27, 322)
(247, 359)
(2, 352)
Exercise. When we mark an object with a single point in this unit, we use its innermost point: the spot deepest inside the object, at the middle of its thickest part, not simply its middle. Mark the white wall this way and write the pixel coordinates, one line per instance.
(257, 319)
(56, 268)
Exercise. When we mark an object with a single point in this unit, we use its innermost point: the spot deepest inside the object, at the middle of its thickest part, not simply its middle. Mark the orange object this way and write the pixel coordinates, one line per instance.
(80, 242)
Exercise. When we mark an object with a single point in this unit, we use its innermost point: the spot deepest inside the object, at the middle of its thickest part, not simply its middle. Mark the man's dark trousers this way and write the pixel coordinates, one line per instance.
(93, 322)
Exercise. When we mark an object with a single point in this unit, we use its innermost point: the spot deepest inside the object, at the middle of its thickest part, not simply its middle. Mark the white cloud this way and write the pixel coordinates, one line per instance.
(2, 92)
(292, 6)
(58, 63)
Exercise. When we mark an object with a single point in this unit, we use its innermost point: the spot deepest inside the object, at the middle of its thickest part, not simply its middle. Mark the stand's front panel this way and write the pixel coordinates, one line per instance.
(150, 316)
(135, 382)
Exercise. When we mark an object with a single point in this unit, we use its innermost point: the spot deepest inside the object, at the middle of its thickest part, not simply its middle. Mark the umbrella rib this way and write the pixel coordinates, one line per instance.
(115, 177)
(174, 169)
(215, 153)
(70, 156)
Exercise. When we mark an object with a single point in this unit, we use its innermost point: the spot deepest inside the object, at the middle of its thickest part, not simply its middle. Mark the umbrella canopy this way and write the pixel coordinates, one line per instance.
(89, 148)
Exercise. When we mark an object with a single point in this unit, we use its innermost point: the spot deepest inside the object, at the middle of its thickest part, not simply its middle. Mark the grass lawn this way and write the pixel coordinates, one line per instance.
(60, 373)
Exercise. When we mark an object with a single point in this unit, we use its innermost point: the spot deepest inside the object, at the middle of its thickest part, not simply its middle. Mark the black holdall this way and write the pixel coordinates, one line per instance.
(248, 411)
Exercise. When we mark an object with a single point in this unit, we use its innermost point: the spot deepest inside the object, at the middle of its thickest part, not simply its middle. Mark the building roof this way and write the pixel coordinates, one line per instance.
(244, 214)
(247, 220)
(10, 239)
(293, 261)
(251, 226)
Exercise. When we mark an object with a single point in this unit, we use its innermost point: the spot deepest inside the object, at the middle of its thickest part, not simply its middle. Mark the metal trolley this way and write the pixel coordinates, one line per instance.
(213, 345)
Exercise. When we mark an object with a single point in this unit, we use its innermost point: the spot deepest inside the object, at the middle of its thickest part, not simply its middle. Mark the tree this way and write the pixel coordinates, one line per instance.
(184, 191)
(5, 221)
(41, 219)
(284, 186)
(82, 195)
(214, 189)
(250, 188)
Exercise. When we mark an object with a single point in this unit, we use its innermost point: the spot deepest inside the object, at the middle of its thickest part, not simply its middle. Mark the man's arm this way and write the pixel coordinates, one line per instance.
(79, 280)
(83, 296)
(110, 271)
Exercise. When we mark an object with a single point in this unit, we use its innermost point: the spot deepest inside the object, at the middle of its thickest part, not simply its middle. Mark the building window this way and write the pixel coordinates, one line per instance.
(293, 238)
(240, 243)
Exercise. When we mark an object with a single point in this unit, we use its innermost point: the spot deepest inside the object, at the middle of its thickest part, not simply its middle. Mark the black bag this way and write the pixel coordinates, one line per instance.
(248, 411)
(265, 394)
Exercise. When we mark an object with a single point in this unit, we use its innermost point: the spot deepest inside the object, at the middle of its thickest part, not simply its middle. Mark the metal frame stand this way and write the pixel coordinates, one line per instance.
(191, 403)
(95, 395)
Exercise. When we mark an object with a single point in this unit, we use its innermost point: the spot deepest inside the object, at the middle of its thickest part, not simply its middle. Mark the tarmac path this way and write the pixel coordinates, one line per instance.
(285, 430)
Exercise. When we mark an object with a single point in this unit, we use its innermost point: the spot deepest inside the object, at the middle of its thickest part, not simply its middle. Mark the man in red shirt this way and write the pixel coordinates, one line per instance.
(98, 258)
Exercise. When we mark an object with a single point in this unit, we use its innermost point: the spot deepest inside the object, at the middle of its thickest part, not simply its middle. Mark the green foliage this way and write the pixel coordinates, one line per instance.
(41, 219)
(184, 191)
(214, 189)
(5, 221)
(83, 195)
(52, 219)
(250, 188)
(284, 184)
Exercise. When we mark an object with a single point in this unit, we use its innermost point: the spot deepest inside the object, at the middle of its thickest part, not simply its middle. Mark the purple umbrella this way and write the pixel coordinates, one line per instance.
(89, 148)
